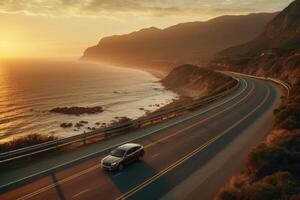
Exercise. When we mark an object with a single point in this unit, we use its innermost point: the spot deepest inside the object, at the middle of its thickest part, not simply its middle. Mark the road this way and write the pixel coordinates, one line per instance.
(186, 158)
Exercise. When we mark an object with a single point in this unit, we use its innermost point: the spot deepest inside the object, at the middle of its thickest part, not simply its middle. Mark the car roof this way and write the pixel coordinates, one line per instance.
(128, 146)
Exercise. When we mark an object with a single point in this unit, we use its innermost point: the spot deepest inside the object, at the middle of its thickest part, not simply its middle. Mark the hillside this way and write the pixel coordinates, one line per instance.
(195, 82)
(272, 167)
(183, 43)
(283, 33)
(276, 52)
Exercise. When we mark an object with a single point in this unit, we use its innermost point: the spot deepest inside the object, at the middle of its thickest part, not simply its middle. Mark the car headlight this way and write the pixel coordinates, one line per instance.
(114, 163)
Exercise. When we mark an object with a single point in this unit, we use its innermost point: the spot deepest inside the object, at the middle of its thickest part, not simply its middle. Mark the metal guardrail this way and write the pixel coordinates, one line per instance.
(277, 81)
(47, 146)
(287, 86)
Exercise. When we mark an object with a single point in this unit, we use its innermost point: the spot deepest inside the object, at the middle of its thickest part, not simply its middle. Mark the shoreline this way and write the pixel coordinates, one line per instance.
(118, 99)
(90, 126)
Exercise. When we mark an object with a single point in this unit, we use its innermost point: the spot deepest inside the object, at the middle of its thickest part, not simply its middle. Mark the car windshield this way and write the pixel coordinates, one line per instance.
(118, 152)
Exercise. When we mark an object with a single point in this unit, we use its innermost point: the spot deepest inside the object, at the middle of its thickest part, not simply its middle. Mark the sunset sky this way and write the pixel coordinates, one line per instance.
(64, 28)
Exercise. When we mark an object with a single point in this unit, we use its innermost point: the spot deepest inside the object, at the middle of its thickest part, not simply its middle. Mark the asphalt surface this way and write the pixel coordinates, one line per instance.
(186, 158)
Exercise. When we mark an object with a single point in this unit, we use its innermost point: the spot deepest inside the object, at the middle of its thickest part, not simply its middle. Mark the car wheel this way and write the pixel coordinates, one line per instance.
(120, 167)
(140, 157)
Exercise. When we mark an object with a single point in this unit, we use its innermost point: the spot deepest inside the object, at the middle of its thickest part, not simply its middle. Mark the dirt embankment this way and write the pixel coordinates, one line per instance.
(193, 82)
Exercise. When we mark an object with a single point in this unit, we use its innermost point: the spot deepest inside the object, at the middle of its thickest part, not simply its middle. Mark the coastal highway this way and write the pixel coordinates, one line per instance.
(189, 157)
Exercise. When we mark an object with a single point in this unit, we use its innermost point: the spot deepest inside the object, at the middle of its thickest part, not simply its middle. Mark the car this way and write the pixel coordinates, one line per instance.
(122, 156)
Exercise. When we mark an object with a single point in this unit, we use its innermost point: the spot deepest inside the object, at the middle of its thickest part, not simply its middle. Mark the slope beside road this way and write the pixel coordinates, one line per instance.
(187, 157)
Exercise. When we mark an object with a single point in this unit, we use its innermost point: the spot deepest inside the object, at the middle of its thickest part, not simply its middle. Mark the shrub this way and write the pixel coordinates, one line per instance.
(119, 120)
(264, 160)
(280, 150)
(25, 141)
(289, 140)
(233, 190)
(288, 114)
(280, 185)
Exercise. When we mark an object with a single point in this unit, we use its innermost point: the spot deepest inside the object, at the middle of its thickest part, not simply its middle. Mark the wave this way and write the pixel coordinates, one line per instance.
(30, 90)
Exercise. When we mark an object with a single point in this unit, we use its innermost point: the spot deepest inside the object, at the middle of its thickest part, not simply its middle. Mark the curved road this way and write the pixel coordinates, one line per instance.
(186, 158)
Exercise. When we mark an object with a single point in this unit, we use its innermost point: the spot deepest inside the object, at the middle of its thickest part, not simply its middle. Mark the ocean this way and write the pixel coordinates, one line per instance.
(29, 89)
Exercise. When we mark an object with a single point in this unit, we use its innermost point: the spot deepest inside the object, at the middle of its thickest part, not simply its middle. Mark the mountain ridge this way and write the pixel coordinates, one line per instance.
(282, 32)
(275, 52)
(189, 42)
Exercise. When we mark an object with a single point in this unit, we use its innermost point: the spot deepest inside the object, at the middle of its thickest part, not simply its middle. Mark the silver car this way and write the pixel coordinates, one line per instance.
(122, 155)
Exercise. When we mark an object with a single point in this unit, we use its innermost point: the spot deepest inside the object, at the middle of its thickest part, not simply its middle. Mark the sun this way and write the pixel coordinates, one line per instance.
(11, 46)
(7, 49)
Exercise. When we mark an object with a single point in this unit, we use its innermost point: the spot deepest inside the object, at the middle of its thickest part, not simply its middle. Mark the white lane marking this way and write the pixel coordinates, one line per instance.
(190, 155)
(57, 183)
(155, 155)
(80, 193)
(96, 166)
(130, 140)
(118, 174)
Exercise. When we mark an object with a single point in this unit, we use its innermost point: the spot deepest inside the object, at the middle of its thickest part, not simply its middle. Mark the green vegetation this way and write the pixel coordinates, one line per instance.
(25, 141)
(273, 166)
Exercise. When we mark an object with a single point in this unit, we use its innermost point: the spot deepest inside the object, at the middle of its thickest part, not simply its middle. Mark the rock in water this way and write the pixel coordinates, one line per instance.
(66, 125)
(77, 110)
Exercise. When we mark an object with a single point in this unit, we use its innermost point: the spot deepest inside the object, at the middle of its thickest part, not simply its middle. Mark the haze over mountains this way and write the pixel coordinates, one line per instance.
(191, 42)
(275, 52)
(283, 32)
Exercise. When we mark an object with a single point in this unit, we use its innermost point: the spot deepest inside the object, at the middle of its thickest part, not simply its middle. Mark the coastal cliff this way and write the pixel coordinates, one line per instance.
(164, 49)
(195, 82)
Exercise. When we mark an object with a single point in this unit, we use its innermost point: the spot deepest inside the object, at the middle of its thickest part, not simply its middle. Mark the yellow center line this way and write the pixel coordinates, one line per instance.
(59, 182)
(199, 122)
(80, 193)
(146, 146)
(188, 156)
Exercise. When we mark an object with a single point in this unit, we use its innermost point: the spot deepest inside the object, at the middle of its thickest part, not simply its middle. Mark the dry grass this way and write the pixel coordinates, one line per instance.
(273, 165)
(25, 141)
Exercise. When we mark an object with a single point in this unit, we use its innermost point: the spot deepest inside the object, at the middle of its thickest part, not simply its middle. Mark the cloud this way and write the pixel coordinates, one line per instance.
(143, 7)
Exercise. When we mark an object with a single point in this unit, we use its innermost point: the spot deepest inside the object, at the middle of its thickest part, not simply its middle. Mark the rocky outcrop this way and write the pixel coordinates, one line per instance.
(195, 82)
